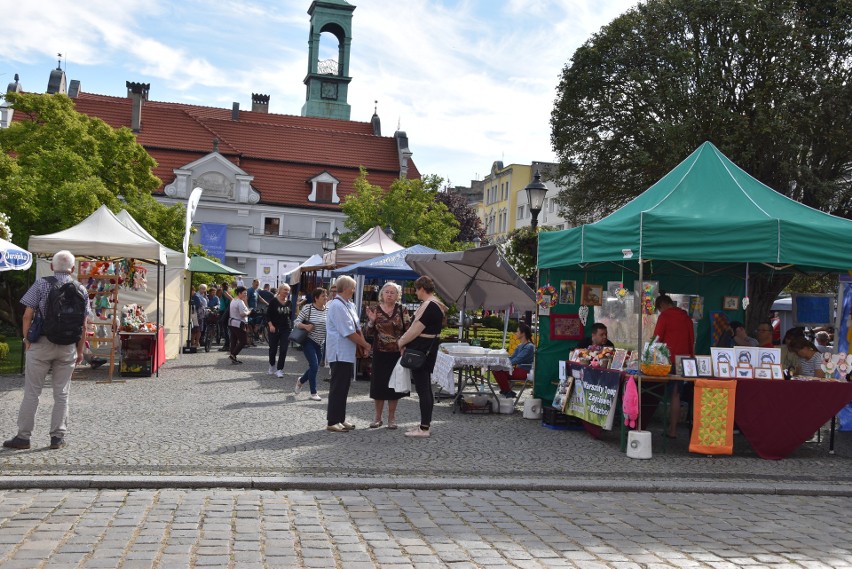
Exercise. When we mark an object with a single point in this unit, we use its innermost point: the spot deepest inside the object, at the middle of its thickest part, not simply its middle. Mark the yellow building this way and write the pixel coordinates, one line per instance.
(505, 206)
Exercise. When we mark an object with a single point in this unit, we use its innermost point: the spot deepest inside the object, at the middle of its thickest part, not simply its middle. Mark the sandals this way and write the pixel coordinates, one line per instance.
(376, 424)
(392, 425)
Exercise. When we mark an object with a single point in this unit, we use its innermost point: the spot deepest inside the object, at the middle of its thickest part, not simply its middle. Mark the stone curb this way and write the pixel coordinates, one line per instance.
(341, 484)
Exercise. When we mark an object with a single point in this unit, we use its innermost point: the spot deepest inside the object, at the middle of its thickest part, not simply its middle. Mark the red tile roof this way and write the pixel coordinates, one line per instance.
(282, 152)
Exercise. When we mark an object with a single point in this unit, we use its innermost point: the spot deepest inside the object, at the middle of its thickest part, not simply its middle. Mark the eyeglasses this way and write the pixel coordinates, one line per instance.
(764, 329)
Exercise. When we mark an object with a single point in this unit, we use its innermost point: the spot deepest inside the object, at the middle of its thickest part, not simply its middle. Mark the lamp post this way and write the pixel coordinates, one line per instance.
(335, 238)
(326, 243)
(536, 193)
(477, 241)
(390, 232)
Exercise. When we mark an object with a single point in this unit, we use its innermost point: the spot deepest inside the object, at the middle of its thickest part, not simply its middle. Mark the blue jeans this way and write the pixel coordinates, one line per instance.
(313, 352)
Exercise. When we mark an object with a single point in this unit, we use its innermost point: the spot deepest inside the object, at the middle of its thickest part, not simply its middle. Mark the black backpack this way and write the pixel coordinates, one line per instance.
(66, 312)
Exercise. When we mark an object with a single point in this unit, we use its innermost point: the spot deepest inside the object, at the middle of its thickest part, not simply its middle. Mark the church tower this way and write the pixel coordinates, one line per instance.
(328, 81)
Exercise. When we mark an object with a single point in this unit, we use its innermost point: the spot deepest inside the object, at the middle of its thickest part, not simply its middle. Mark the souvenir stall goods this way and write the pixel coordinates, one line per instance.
(656, 359)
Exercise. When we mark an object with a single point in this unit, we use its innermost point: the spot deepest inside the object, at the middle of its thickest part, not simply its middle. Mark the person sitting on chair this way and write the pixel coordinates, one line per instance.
(599, 337)
(522, 362)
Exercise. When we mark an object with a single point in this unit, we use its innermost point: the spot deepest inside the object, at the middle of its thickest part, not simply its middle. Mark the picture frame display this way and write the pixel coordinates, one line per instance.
(762, 373)
(619, 358)
(705, 366)
(563, 393)
(679, 365)
(777, 371)
(768, 356)
(690, 367)
(566, 327)
(747, 355)
(730, 303)
(723, 369)
(744, 372)
(592, 295)
(567, 292)
(722, 355)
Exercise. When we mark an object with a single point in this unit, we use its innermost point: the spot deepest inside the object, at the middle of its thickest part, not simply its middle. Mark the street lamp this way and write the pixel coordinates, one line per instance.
(477, 241)
(390, 232)
(335, 238)
(536, 193)
(326, 243)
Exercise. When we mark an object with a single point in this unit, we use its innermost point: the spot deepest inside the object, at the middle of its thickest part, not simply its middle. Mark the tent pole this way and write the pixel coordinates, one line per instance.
(505, 327)
(639, 343)
(160, 316)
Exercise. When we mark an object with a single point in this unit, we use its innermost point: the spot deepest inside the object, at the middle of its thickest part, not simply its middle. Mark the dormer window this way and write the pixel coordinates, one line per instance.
(324, 189)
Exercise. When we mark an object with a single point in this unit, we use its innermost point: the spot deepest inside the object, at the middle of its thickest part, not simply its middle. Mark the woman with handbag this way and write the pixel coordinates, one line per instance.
(386, 323)
(312, 319)
(238, 322)
(279, 325)
(422, 338)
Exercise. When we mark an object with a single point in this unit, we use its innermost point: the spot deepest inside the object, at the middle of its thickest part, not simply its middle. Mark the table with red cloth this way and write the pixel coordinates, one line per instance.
(776, 416)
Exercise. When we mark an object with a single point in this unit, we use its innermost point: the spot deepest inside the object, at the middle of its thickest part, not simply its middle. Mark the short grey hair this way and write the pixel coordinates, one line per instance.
(344, 283)
(395, 287)
(63, 262)
(202, 287)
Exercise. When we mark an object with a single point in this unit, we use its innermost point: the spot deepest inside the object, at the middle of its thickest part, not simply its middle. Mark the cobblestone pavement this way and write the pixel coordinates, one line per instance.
(425, 529)
(204, 417)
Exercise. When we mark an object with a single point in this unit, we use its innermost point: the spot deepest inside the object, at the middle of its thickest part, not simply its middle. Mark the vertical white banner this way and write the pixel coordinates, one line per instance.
(191, 206)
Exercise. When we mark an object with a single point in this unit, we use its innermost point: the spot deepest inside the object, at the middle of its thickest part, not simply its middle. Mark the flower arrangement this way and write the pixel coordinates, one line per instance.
(656, 359)
(542, 292)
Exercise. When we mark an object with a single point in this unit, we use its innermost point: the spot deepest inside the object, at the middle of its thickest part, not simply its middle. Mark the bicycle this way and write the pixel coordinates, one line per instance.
(258, 330)
(211, 324)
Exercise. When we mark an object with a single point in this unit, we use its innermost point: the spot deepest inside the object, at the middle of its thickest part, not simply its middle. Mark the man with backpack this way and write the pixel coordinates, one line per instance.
(55, 318)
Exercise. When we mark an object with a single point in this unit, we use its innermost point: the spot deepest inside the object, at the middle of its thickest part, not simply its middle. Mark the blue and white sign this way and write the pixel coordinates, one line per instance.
(13, 258)
(213, 237)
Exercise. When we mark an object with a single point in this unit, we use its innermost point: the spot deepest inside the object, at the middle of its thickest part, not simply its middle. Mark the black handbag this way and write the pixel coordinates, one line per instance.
(299, 335)
(34, 333)
(413, 359)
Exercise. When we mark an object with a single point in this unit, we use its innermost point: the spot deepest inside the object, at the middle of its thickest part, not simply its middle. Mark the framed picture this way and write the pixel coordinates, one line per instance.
(777, 371)
(762, 373)
(746, 355)
(619, 358)
(592, 295)
(723, 369)
(679, 365)
(690, 367)
(744, 372)
(705, 366)
(563, 393)
(566, 327)
(567, 292)
(722, 355)
(768, 356)
(544, 307)
(730, 303)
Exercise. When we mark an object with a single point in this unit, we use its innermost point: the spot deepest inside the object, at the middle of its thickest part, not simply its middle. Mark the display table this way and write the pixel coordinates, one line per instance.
(776, 417)
(142, 353)
(446, 364)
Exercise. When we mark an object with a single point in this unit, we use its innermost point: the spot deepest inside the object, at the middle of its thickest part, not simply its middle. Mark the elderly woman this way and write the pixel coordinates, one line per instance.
(422, 335)
(386, 323)
(279, 324)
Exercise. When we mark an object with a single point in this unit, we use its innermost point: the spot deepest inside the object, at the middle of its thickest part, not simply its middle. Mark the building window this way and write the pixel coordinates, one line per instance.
(325, 192)
(272, 226)
(322, 228)
(520, 212)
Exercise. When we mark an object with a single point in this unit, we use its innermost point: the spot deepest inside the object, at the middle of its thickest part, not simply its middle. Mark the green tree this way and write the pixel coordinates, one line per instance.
(470, 226)
(767, 81)
(521, 249)
(58, 166)
(410, 207)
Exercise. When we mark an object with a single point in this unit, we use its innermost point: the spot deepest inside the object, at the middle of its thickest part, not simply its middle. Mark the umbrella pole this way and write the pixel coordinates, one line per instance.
(505, 327)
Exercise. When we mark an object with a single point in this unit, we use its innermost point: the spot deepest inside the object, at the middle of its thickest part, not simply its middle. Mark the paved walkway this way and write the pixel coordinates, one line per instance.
(207, 422)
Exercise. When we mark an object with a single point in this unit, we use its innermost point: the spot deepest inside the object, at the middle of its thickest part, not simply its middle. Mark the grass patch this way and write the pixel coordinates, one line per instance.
(12, 364)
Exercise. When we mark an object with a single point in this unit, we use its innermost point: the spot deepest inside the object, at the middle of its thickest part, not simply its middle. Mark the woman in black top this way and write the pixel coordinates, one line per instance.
(279, 323)
(423, 335)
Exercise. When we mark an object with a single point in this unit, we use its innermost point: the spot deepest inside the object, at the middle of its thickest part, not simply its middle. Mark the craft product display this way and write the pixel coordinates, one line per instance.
(546, 296)
(134, 319)
(656, 359)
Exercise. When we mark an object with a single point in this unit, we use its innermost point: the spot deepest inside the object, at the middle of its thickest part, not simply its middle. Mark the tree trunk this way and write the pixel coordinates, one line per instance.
(763, 290)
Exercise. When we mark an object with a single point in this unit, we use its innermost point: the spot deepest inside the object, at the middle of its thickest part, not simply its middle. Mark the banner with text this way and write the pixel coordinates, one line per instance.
(595, 394)
(213, 237)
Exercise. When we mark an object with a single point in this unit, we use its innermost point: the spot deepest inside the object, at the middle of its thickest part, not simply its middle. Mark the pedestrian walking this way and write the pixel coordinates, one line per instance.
(278, 322)
(312, 318)
(238, 323)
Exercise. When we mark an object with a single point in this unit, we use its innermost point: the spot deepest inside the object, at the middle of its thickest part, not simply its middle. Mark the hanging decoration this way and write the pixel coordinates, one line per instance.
(745, 296)
(583, 312)
(546, 296)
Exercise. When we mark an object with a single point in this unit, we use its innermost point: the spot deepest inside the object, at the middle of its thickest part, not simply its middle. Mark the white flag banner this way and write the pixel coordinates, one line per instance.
(191, 206)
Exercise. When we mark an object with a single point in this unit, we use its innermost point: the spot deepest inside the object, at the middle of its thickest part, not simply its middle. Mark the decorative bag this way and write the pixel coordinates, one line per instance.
(413, 359)
(34, 333)
(400, 379)
(298, 335)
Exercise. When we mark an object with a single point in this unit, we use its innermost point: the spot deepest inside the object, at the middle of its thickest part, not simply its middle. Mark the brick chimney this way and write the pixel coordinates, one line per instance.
(259, 103)
(235, 111)
(137, 93)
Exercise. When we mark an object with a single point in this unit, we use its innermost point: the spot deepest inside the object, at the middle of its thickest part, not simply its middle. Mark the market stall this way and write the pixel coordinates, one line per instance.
(700, 233)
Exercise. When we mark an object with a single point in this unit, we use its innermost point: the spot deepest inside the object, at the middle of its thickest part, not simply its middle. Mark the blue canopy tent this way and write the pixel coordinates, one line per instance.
(390, 266)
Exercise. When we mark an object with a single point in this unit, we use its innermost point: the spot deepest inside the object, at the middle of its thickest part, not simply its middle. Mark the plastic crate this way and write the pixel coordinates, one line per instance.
(466, 407)
(554, 419)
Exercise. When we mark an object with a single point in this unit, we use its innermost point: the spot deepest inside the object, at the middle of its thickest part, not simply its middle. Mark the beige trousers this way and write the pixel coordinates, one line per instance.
(42, 358)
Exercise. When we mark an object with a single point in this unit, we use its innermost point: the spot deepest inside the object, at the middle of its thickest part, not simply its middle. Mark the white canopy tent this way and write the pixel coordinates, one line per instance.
(292, 278)
(373, 243)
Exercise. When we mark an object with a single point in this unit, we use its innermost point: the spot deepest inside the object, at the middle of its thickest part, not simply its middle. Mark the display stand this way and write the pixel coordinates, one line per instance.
(103, 293)
(137, 353)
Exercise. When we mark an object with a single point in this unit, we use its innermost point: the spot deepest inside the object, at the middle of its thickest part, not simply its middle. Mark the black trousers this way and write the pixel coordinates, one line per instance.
(238, 340)
(279, 341)
(338, 391)
(422, 380)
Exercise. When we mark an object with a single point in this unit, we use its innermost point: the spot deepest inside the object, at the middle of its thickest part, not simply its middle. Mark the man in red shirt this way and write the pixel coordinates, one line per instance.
(675, 329)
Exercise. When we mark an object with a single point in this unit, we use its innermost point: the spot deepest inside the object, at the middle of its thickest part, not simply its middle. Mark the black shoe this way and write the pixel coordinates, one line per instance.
(509, 394)
(57, 443)
(224, 349)
(97, 362)
(17, 443)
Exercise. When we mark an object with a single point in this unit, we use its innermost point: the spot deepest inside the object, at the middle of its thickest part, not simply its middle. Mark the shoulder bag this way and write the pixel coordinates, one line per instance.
(414, 359)
(299, 335)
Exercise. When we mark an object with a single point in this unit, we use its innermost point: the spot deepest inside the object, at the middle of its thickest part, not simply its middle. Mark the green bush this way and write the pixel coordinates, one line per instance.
(4, 351)
(2, 338)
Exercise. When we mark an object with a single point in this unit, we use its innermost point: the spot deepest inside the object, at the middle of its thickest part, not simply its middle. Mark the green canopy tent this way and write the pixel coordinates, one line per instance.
(204, 265)
(701, 230)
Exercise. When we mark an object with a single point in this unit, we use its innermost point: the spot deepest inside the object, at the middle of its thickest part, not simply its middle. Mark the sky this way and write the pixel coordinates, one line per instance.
(469, 81)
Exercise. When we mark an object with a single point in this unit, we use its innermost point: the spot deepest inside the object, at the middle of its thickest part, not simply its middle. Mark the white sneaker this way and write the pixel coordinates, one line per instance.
(298, 387)
(316, 397)
(271, 370)
(417, 433)
(279, 373)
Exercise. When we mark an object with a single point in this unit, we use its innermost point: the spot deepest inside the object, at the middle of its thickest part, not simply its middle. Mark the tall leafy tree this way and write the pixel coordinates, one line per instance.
(57, 166)
(767, 81)
(470, 226)
(410, 207)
